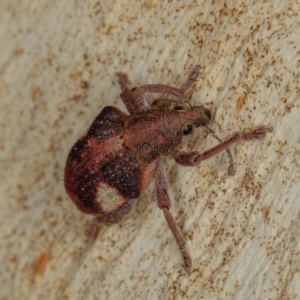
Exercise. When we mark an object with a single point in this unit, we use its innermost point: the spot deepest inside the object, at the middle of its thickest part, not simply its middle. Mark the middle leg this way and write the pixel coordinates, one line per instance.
(164, 203)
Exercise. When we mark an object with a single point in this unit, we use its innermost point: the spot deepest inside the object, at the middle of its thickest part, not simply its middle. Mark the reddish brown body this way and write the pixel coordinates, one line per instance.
(108, 167)
(115, 160)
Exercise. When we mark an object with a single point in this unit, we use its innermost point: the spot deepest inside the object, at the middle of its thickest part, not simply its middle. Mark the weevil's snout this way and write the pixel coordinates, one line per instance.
(200, 115)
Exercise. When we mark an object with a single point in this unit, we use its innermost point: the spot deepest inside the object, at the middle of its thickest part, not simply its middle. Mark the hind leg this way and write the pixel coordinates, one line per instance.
(114, 217)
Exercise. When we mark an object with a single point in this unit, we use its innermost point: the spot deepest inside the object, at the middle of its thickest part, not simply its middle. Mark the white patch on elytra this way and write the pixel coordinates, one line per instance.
(108, 198)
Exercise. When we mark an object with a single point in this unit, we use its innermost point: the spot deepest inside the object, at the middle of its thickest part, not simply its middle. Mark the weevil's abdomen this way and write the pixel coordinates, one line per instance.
(101, 173)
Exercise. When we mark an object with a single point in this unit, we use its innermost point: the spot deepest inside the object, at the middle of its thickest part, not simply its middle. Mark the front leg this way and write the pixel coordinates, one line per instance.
(164, 203)
(194, 158)
(135, 101)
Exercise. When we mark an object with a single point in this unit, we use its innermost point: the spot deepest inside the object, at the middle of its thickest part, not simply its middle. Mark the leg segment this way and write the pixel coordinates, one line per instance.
(194, 158)
(166, 104)
(135, 101)
(133, 105)
(230, 170)
(119, 214)
(111, 218)
(164, 203)
(192, 79)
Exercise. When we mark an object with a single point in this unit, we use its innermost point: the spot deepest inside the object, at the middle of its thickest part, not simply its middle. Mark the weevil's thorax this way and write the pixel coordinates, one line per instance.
(155, 133)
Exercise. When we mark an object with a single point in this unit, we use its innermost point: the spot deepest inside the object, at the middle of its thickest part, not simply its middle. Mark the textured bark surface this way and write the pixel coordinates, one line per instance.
(57, 71)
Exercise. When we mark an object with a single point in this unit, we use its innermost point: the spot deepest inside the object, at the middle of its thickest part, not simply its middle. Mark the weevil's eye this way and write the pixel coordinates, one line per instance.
(187, 129)
(178, 108)
(207, 113)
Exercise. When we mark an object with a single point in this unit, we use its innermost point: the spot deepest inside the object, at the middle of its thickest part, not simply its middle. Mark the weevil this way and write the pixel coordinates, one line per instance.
(108, 167)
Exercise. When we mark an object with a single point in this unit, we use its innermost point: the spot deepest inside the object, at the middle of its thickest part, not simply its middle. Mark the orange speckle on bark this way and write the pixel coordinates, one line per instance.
(35, 93)
(240, 102)
(41, 263)
(19, 51)
(150, 4)
(265, 211)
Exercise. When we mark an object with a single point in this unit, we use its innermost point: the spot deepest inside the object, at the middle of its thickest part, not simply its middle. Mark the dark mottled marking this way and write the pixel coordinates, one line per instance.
(123, 173)
(78, 149)
(85, 189)
(107, 123)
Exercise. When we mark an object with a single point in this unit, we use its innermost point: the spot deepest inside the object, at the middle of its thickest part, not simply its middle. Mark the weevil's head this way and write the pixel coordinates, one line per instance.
(188, 118)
